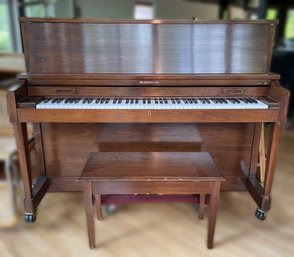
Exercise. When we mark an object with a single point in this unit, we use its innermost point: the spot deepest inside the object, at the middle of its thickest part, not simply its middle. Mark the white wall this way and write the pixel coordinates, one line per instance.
(107, 9)
(64, 9)
(164, 9)
(181, 9)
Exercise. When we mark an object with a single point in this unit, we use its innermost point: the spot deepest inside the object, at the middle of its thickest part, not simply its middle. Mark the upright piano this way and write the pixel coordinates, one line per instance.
(102, 85)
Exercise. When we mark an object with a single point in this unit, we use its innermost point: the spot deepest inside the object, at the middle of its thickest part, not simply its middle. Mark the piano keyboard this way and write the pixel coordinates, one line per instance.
(152, 103)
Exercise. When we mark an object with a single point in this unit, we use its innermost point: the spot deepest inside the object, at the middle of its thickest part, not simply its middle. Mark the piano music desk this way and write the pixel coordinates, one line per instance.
(150, 173)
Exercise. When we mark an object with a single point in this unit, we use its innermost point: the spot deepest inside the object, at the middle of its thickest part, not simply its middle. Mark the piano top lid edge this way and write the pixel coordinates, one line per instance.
(143, 76)
(153, 21)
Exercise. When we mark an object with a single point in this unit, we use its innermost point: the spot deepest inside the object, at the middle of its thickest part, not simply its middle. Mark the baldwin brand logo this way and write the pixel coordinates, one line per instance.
(149, 82)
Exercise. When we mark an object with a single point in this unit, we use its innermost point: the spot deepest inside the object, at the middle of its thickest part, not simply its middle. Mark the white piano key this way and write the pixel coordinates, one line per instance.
(162, 104)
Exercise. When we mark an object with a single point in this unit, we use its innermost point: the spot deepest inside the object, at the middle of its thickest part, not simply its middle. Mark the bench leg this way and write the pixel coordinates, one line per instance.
(98, 207)
(213, 204)
(88, 201)
(201, 206)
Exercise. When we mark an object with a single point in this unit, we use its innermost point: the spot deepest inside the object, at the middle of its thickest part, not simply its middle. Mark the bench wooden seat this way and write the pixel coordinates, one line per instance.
(177, 173)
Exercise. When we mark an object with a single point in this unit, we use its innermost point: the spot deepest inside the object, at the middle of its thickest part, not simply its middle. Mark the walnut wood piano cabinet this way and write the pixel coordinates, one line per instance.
(188, 62)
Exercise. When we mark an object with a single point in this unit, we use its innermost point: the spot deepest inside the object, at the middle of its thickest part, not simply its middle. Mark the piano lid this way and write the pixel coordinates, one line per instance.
(75, 46)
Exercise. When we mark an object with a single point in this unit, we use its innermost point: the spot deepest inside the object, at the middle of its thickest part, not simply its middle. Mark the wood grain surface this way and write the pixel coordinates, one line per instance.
(66, 55)
(75, 46)
(66, 153)
(150, 166)
(166, 229)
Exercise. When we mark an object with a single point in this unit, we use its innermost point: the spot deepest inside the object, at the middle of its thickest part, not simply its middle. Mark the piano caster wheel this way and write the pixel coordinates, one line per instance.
(110, 209)
(260, 214)
(30, 217)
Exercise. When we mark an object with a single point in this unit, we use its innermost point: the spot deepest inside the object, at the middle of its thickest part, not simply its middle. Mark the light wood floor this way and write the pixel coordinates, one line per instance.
(163, 229)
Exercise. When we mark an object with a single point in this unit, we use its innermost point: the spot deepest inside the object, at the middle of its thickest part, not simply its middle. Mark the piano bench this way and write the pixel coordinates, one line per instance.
(179, 173)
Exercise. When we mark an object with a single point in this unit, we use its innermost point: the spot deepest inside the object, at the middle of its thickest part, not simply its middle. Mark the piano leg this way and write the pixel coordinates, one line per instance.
(33, 194)
(261, 194)
(272, 154)
(24, 163)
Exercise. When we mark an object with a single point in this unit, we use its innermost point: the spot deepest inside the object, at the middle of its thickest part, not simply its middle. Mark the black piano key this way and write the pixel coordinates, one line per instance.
(214, 100)
(178, 101)
(107, 100)
(185, 101)
(254, 101)
(173, 101)
(60, 100)
(76, 100)
(136, 101)
(102, 101)
(85, 100)
(114, 100)
(247, 100)
(224, 101)
(232, 100)
(149, 101)
(97, 100)
(67, 100)
(90, 100)
(165, 101)
(119, 100)
(244, 100)
(47, 100)
(127, 101)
